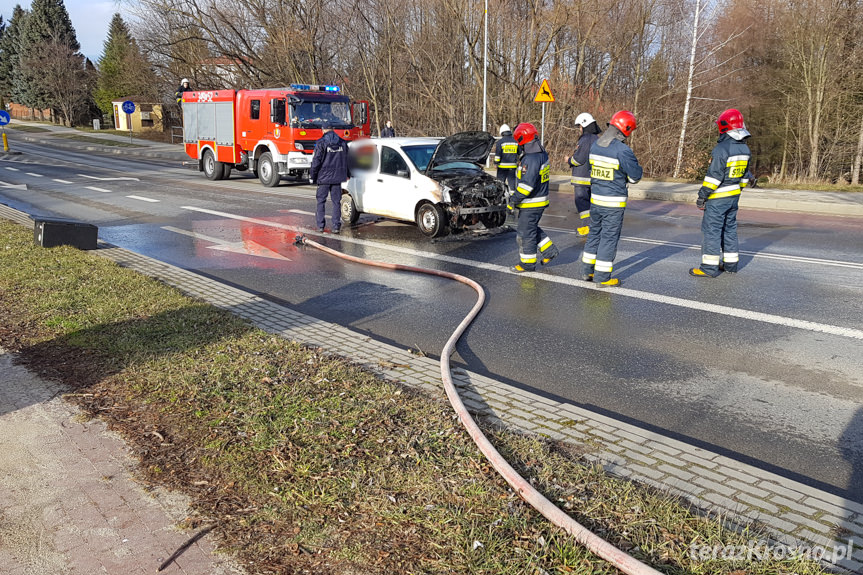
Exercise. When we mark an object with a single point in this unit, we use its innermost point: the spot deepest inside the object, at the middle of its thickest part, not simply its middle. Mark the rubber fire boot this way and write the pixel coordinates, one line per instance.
(700, 273)
(609, 283)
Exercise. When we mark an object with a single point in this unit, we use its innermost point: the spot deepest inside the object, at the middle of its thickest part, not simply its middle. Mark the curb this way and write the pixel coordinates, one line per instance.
(794, 513)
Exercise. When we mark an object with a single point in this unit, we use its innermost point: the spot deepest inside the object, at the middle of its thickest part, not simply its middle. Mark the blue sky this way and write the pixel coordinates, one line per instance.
(89, 17)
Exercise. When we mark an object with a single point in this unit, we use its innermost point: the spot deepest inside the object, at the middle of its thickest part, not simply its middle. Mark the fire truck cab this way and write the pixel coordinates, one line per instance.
(271, 131)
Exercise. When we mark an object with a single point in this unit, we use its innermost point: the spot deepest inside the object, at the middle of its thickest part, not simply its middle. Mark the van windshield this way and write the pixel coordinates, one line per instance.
(311, 114)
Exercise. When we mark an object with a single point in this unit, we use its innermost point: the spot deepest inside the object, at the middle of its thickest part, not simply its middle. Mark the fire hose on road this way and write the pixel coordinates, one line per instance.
(519, 484)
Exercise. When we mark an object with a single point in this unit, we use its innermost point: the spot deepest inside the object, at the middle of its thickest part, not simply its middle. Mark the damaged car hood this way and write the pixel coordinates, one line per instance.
(471, 147)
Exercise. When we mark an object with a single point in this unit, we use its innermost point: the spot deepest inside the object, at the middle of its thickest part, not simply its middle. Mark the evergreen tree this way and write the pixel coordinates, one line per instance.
(47, 26)
(9, 49)
(123, 70)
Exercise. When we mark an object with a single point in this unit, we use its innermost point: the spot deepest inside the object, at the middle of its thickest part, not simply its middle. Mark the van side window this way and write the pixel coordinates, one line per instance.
(255, 109)
(392, 163)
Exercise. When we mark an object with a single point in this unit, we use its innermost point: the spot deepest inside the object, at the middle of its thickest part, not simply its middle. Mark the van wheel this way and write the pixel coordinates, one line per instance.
(212, 169)
(350, 215)
(267, 172)
(431, 221)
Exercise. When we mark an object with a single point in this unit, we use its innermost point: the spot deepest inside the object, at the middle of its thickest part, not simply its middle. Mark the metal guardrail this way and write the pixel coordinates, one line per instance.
(176, 133)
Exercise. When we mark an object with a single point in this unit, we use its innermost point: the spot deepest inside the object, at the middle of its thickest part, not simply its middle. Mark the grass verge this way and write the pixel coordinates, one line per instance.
(306, 463)
(27, 128)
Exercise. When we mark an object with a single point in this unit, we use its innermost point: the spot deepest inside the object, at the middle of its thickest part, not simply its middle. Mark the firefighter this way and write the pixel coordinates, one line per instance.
(531, 199)
(184, 87)
(612, 166)
(579, 160)
(727, 175)
(329, 169)
(506, 157)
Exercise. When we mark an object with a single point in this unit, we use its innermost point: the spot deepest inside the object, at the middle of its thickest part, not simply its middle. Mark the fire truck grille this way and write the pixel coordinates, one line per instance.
(308, 145)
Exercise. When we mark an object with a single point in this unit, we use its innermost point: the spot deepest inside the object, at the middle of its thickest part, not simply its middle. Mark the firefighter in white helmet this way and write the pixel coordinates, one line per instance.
(579, 161)
(506, 157)
(184, 87)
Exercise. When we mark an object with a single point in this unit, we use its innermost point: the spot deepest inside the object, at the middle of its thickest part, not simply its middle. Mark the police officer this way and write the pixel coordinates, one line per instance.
(612, 166)
(506, 157)
(727, 175)
(581, 167)
(329, 169)
(531, 199)
(388, 131)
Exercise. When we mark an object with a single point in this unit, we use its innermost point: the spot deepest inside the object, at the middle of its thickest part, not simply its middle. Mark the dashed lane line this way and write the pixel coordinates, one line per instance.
(95, 189)
(621, 291)
(143, 199)
(11, 169)
(59, 181)
(34, 175)
(117, 179)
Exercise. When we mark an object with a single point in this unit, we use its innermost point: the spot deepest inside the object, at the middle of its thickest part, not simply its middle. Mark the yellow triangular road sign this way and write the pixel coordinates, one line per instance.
(544, 93)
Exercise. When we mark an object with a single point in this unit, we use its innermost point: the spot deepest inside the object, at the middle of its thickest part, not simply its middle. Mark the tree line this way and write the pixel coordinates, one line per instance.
(791, 66)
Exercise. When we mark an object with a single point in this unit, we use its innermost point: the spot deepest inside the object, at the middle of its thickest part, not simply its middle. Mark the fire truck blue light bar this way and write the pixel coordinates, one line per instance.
(315, 87)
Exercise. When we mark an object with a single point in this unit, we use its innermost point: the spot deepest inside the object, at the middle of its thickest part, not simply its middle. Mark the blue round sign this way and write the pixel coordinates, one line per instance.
(128, 106)
(4, 118)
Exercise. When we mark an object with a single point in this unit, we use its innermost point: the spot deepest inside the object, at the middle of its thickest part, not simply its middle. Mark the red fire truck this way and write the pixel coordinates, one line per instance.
(271, 132)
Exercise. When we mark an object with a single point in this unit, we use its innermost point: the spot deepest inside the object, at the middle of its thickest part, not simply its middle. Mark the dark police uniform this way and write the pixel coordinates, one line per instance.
(329, 169)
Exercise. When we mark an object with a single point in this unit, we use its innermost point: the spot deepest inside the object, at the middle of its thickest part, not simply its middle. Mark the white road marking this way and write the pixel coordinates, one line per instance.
(122, 178)
(14, 186)
(95, 189)
(143, 199)
(11, 169)
(761, 255)
(659, 298)
(61, 181)
(305, 213)
(247, 247)
(34, 175)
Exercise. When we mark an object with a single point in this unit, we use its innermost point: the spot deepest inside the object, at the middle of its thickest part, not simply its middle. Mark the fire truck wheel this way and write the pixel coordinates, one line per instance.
(350, 215)
(431, 221)
(212, 169)
(226, 170)
(267, 171)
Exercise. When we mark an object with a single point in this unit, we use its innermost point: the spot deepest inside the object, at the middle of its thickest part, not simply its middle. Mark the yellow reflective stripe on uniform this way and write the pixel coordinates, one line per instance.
(744, 182)
(602, 266)
(608, 201)
(725, 192)
(604, 162)
(527, 258)
(584, 214)
(711, 183)
(534, 202)
(741, 160)
(509, 148)
(524, 188)
(588, 258)
(545, 244)
(507, 165)
(579, 180)
(496, 159)
(731, 257)
(710, 260)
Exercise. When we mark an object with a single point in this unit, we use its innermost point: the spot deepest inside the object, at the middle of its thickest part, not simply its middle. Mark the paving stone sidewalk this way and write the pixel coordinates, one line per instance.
(68, 502)
(795, 514)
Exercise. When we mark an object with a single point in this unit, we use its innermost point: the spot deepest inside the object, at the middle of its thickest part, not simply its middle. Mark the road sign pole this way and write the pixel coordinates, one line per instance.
(542, 133)
(129, 123)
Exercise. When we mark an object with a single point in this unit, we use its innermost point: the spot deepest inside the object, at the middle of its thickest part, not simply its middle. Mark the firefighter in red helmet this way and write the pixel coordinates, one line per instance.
(719, 195)
(531, 198)
(613, 165)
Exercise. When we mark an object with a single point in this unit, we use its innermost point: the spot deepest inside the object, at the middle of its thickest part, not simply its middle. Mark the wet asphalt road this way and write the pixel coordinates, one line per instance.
(774, 390)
